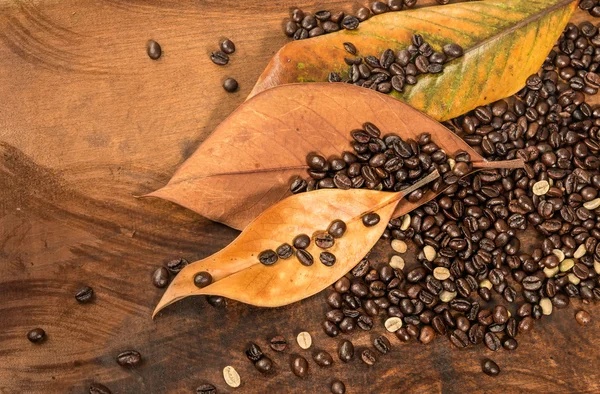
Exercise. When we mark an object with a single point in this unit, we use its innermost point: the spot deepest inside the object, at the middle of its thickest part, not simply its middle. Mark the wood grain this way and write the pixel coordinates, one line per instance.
(87, 121)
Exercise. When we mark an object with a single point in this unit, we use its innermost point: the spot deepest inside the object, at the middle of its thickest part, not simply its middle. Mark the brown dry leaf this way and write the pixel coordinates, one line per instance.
(237, 273)
(505, 41)
(247, 163)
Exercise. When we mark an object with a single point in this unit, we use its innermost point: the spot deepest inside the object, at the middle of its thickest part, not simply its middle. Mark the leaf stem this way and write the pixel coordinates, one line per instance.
(516, 163)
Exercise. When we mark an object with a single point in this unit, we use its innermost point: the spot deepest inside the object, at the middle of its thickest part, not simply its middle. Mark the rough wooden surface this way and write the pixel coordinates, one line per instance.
(88, 121)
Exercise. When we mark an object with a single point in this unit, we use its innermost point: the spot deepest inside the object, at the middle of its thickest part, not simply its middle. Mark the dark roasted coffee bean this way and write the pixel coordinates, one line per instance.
(382, 344)
(160, 277)
(350, 48)
(227, 46)
(301, 241)
(337, 228)
(370, 219)
(453, 50)
(264, 365)
(304, 257)
(330, 328)
(267, 257)
(323, 358)
(346, 351)
(368, 357)
(84, 295)
(476, 334)
(176, 265)
(230, 85)
(459, 339)
(299, 366)
(338, 387)
(350, 22)
(129, 358)
(324, 240)
(36, 335)
(510, 344)
(202, 279)
(219, 58)
(97, 388)
(278, 343)
(327, 258)
(285, 251)
(490, 368)
(491, 341)
(217, 301)
(254, 353)
(154, 50)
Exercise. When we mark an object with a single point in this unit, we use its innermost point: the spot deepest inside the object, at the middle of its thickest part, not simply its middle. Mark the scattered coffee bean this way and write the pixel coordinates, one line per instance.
(370, 219)
(382, 344)
(219, 58)
(346, 351)
(230, 85)
(160, 277)
(37, 335)
(227, 46)
(206, 388)
(299, 366)
(176, 265)
(323, 358)
(301, 241)
(154, 50)
(304, 257)
(84, 295)
(583, 318)
(285, 251)
(268, 257)
(254, 353)
(278, 343)
(337, 228)
(203, 279)
(129, 358)
(490, 368)
(338, 387)
(327, 258)
(97, 388)
(217, 301)
(368, 357)
(264, 365)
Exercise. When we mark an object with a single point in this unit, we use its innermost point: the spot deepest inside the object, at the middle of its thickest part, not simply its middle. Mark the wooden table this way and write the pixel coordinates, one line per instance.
(87, 122)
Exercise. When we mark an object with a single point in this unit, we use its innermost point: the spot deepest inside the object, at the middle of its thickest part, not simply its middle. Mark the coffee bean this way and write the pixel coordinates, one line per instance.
(490, 368)
(453, 50)
(206, 388)
(202, 279)
(491, 341)
(459, 339)
(299, 366)
(301, 241)
(37, 335)
(510, 344)
(264, 365)
(382, 344)
(583, 318)
(230, 85)
(327, 258)
(217, 301)
(154, 50)
(97, 388)
(337, 228)
(254, 353)
(285, 251)
(176, 265)
(219, 58)
(427, 334)
(84, 295)
(231, 376)
(370, 219)
(350, 48)
(324, 240)
(346, 351)
(304, 340)
(267, 257)
(129, 358)
(338, 387)
(368, 357)
(278, 343)
(350, 22)
(160, 277)
(323, 358)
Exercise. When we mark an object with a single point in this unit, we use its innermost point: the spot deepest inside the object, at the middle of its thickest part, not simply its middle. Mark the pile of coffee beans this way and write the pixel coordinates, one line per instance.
(393, 71)
(323, 240)
(385, 163)
(591, 6)
(304, 25)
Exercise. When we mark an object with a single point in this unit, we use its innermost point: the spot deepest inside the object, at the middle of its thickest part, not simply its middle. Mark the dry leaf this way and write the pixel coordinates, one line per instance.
(237, 273)
(247, 163)
(505, 41)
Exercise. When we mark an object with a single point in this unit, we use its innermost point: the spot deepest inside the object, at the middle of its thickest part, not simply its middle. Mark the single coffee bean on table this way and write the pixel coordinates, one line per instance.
(368, 357)
(230, 85)
(322, 358)
(206, 388)
(176, 265)
(154, 50)
(299, 366)
(338, 387)
(129, 358)
(97, 388)
(227, 46)
(37, 335)
(219, 58)
(231, 376)
(304, 340)
(583, 318)
(254, 353)
(278, 343)
(264, 365)
(84, 295)
(346, 351)
(490, 368)
(160, 277)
